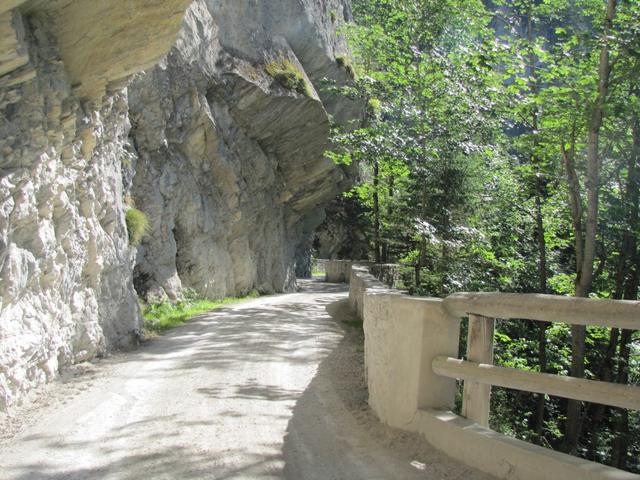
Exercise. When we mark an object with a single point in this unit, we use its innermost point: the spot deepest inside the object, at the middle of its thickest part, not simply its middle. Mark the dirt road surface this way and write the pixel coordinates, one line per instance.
(267, 389)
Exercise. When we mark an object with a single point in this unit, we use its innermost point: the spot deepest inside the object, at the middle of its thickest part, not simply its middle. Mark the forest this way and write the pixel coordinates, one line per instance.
(500, 151)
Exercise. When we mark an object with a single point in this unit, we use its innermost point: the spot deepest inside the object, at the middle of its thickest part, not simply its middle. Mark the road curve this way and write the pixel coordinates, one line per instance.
(267, 389)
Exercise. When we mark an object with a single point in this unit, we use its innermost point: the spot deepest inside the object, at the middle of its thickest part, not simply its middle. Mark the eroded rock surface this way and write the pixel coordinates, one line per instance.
(66, 290)
(226, 162)
(231, 170)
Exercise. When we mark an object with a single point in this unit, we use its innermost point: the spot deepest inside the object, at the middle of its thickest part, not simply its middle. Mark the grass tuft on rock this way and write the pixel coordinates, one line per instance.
(137, 225)
(346, 63)
(163, 316)
(287, 74)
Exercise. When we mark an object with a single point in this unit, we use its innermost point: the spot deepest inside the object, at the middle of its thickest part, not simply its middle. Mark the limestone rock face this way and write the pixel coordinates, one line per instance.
(231, 170)
(225, 159)
(108, 40)
(66, 291)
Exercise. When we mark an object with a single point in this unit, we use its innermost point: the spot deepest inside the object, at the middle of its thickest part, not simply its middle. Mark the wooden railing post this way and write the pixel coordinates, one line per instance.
(476, 396)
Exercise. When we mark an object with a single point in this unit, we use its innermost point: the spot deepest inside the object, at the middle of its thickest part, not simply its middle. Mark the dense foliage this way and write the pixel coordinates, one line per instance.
(500, 150)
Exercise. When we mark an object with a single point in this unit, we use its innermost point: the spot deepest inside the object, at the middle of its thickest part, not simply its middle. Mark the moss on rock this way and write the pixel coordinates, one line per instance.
(289, 76)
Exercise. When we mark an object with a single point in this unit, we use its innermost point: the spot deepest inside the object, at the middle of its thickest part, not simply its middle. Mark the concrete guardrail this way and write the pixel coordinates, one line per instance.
(411, 363)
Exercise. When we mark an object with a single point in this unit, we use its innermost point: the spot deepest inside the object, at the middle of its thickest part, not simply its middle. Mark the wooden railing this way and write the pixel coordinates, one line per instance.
(479, 373)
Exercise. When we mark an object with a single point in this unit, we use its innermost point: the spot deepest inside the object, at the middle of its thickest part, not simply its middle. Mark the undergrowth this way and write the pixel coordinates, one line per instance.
(163, 316)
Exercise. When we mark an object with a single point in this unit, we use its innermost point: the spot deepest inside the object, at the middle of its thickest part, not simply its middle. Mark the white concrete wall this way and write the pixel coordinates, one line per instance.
(402, 336)
(360, 281)
(337, 271)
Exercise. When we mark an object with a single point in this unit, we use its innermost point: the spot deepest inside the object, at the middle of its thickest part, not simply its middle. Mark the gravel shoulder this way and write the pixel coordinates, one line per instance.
(272, 388)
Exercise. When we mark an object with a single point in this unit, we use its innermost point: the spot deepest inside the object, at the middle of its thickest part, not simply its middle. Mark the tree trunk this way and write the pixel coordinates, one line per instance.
(542, 287)
(540, 232)
(376, 212)
(444, 260)
(390, 195)
(606, 375)
(585, 267)
(422, 254)
(620, 447)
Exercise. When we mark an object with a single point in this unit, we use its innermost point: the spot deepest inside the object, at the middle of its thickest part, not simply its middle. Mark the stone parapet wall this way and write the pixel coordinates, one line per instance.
(387, 273)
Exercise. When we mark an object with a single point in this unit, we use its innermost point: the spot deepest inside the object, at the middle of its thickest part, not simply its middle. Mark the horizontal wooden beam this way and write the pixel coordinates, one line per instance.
(549, 308)
(605, 393)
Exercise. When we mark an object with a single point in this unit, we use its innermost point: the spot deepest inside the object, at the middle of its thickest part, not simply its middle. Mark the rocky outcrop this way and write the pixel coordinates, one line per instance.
(66, 290)
(224, 156)
(231, 170)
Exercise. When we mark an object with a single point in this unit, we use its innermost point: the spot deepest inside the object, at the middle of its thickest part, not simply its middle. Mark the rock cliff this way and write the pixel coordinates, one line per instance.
(215, 144)
(231, 170)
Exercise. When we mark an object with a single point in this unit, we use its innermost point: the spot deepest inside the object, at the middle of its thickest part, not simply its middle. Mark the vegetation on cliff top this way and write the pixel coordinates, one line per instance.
(345, 62)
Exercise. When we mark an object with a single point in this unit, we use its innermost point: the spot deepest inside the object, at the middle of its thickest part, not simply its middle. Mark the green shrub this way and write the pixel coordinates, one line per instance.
(374, 107)
(289, 76)
(334, 16)
(137, 225)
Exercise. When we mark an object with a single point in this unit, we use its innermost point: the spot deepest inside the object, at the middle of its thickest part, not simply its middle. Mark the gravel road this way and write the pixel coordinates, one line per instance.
(267, 389)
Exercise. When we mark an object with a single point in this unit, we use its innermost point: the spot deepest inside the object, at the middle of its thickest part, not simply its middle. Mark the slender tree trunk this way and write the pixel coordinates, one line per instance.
(606, 375)
(620, 447)
(540, 232)
(542, 287)
(585, 269)
(421, 262)
(444, 261)
(376, 212)
(390, 195)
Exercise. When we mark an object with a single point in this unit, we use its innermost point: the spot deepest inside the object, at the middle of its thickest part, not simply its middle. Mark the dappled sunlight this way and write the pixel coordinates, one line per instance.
(181, 405)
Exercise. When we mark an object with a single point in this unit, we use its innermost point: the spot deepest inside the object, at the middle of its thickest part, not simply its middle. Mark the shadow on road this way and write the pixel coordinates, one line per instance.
(269, 389)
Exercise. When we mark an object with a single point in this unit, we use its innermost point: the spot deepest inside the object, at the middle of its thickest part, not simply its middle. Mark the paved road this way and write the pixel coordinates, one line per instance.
(269, 389)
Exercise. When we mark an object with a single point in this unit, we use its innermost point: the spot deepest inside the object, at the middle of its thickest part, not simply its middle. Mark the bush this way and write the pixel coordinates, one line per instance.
(374, 107)
(289, 76)
(137, 225)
